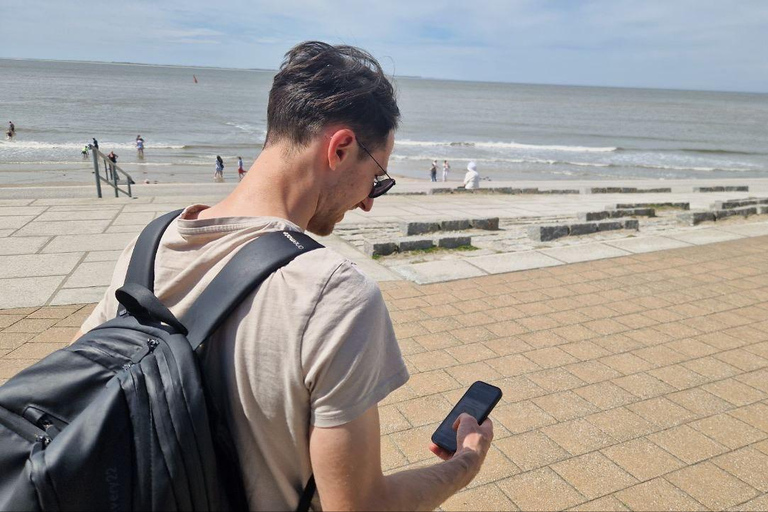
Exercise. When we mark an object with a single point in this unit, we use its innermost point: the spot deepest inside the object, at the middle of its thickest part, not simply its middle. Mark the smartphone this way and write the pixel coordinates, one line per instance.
(478, 402)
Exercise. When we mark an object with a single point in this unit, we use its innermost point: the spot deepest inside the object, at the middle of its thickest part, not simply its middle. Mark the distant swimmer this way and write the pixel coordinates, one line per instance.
(218, 174)
(446, 169)
(240, 169)
(140, 146)
(12, 128)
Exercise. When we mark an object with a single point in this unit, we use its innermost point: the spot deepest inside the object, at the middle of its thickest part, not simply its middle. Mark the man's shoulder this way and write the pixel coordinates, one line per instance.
(330, 267)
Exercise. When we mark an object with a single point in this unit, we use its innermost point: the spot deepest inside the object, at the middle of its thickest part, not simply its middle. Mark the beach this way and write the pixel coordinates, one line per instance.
(513, 131)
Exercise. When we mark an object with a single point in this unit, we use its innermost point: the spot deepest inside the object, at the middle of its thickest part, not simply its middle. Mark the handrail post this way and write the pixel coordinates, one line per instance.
(96, 171)
(114, 182)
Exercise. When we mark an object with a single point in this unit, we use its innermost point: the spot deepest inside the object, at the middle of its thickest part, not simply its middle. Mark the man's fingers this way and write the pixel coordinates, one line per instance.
(443, 454)
(462, 417)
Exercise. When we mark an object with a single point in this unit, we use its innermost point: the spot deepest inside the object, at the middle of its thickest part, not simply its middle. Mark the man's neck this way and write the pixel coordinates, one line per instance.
(276, 185)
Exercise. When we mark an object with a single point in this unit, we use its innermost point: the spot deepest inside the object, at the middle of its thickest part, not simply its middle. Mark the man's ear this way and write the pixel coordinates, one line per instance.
(340, 146)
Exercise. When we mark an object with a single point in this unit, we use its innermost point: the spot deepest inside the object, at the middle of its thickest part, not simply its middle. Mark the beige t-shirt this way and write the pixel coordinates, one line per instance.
(313, 346)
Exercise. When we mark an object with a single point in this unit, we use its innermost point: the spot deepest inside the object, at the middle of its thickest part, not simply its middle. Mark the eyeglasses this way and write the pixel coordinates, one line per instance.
(380, 186)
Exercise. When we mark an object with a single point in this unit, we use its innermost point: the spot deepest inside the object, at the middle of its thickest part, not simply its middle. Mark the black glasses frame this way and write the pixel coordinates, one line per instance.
(380, 186)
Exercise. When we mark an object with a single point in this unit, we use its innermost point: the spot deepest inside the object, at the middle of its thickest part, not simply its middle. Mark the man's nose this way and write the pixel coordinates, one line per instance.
(366, 204)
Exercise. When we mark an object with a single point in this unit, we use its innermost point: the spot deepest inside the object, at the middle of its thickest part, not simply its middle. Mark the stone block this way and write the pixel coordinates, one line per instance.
(410, 244)
(628, 190)
(696, 218)
(632, 206)
(418, 228)
(634, 212)
(530, 191)
(455, 225)
(654, 190)
(610, 225)
(742, 188)
(451, 242)
(632, 224)
(763, 210)
(583, 229)
(548, 233)
(560, 191)
(709, 189)
(738, 203)
(593, 216)
(437, 191)
(372, 249)
(491, 223)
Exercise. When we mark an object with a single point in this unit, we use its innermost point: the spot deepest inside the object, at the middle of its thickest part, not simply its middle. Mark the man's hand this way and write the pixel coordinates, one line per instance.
(470, 438)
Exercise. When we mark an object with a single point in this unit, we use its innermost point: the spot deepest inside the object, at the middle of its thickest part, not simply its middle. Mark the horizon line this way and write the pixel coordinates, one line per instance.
(414, 77)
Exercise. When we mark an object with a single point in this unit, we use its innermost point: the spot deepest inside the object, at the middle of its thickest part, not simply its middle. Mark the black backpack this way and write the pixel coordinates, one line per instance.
(121, 419)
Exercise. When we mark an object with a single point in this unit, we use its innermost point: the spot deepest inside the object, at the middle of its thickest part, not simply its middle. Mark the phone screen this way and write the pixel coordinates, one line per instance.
(478, 402)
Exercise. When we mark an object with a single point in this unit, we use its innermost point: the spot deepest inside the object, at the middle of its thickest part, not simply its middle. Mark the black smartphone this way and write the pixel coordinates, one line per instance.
(478, 402)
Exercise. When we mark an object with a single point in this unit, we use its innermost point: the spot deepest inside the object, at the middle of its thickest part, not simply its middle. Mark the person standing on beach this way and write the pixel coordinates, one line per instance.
(472, 178)
(11, 128)
(140, 146)
(446, 169)
(306, 359)
(240, 169)
(112, 171)
(218, 174)
(433, 171)
(95, 143)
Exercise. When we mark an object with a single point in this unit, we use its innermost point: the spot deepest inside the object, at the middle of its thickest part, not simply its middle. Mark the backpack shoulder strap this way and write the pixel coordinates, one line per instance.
(239, 277)
(141, 269)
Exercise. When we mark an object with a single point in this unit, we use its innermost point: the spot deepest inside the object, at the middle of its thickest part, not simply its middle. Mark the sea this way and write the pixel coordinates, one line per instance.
(188, 115)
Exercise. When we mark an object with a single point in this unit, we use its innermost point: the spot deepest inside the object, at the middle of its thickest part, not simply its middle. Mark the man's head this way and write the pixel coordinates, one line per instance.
(319, 85)
(333, 106)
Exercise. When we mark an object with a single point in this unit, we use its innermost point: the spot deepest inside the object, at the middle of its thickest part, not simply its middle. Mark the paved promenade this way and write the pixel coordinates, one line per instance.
(638, 382)
(58, 245)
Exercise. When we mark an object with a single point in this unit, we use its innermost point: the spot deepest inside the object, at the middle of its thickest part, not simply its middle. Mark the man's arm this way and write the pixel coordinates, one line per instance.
(346, 461)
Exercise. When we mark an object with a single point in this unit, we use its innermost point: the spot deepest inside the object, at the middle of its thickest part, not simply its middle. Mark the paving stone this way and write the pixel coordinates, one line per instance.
(621, 424)
(687, 444)
(541, 489)
(531, 450)
(28, 291)
(748, 464)
(642, 459)
(486, 497)
(438, 271)
(594, 475)
(657, 494)
(578, 436)
(712, 486)
(502, 263)
(70, 227)
(585, 252)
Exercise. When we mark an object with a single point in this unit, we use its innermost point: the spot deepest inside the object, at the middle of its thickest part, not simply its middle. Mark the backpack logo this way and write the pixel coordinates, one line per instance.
(293, 241)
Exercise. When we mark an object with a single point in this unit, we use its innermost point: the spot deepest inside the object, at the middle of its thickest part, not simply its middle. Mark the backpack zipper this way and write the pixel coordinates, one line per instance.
(24, 428)
(152, 344)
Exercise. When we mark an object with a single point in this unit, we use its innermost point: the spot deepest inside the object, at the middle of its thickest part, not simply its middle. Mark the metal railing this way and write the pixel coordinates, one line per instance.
(110, 177)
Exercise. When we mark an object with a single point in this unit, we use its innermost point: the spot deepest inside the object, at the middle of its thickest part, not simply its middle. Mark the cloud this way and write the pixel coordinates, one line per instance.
(653, 43)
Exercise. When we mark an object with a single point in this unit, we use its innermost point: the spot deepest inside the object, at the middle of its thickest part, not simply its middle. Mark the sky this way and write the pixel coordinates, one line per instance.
(676, 44)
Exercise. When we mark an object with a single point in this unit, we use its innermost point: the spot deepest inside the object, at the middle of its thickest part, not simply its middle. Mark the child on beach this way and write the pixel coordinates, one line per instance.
(218, 175)
(140, 146)
(446, 168)
(240, 170)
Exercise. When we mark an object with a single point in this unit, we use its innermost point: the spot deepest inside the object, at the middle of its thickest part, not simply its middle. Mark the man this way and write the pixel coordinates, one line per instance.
(303, 362)
(472, 178)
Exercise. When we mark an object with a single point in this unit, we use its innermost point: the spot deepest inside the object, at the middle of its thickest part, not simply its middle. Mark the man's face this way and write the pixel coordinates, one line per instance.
(352, 190)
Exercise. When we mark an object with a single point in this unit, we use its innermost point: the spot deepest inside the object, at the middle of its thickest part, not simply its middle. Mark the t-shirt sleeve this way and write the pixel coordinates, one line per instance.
(106, 309)
(350, 356)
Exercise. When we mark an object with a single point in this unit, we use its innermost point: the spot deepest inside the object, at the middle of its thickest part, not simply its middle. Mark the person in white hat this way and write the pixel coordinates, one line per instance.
(472, 178)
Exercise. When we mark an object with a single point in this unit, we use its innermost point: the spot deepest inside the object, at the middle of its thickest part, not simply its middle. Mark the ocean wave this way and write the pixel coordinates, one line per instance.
(248, 128)
(78, 146)
(507, 145)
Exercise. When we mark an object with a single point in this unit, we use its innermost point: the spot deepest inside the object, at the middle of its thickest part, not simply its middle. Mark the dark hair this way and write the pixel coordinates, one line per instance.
(320, 84)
